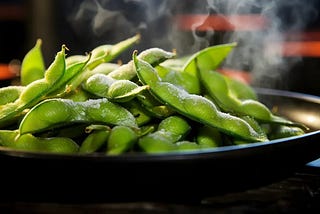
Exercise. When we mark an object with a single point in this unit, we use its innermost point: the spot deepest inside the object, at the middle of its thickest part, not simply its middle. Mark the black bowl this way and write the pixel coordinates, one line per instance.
(177, 177)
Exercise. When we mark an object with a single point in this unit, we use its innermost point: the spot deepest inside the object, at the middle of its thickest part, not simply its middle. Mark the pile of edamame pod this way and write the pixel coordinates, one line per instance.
(155, 103)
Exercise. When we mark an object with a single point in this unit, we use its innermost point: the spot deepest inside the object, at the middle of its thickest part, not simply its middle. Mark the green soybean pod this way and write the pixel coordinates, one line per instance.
(282, 131)
(102, 55)
(170, 131)
(194, 106)
(157, 142)
(84, 74)
(121, 139)
(154, 56)
(116, 90)
(153, 106)
(70, 60)
(60, 145)
(124, 90)
(106, 53)
(141, 115)
(71, 72)
(98, 84)
(179, 78)
(28, 142)
(207, 59)
(176, 125)
(103, 68)
(240, 89)
(220, 92)
(78, 95)
(7, 137)
(53, 145)
(60, 112)
(10, 94)
(146, 129)
(94, 141)
(32, 67)
(38, 89)
(209, 137)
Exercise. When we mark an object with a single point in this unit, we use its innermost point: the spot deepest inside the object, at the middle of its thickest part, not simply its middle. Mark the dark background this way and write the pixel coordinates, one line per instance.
(85, 24)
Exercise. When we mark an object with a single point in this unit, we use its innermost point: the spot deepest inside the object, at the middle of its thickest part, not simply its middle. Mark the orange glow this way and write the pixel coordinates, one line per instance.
(296, 48)
(221, 22)
(6, 72)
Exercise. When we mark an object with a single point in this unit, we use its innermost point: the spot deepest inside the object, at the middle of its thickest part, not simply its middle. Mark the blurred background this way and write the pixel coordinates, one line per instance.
(278, 40)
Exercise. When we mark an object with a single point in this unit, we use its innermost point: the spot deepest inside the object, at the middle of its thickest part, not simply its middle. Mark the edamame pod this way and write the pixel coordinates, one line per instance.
(71, 72)
(35, 91)
(220, 92)
(176, 125)
(10, 94)
(100, 55)
(106, 53)
(282, 131)
(170, 131)
(209, 137)
(115, 90)
(70, 60)
(240, 90)
(179, 78)
(28, 142)
(153, 106)
(207, 59)
(121, 139)
(59, 112)
(154, 56)
(32, 67)
(137, 110)
(193, 106)
(124, 91)
(94, 141)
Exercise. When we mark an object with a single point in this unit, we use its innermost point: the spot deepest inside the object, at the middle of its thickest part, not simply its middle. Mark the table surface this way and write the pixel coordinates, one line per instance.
(299, 193)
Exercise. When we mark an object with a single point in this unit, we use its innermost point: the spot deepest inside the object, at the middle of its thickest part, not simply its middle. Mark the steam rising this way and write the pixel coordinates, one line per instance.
(103, 21)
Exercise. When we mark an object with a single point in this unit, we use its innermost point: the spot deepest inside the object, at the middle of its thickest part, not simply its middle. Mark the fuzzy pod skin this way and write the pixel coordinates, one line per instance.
(121, 139)
(115, 90)
(71, 72)
(176, 125)
(208, 137)
(33, 66)
(10, 94)
(138, 111)
(28, 142)
(206, 59)
(94, 141)
(106, 53)
(221, 93)
(282, 131)
(154, 56)
(170, 130)
(179, 78)
(193, 106)
(240, 90)
(59, 112)
(98, 84)
(35, 91)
